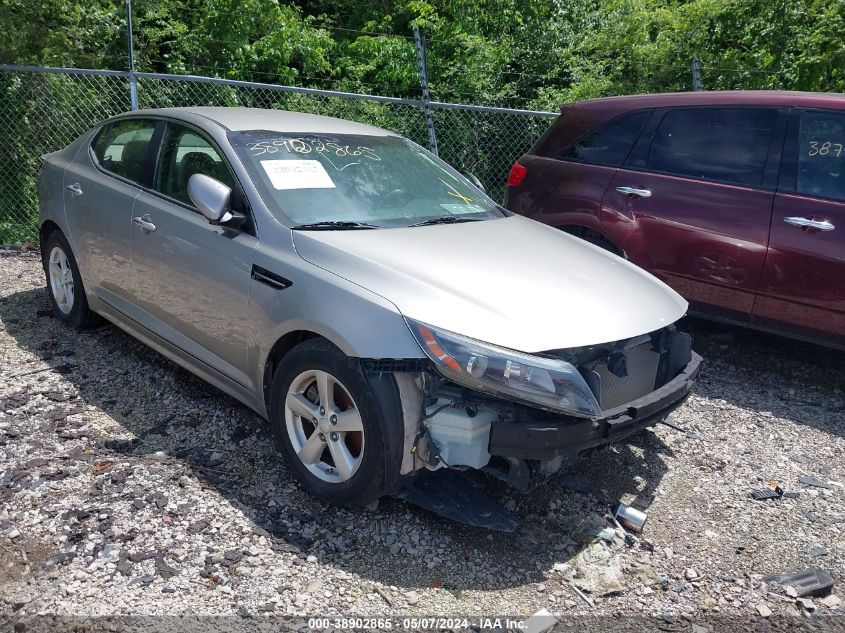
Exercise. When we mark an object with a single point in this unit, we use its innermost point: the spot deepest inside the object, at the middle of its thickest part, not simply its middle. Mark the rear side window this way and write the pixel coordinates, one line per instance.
(121, 147)
(721, 144)
(610, 143)
(821, 155)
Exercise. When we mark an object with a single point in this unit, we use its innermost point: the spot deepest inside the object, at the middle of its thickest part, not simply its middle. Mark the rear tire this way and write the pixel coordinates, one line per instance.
(329, 425)
(64, 284)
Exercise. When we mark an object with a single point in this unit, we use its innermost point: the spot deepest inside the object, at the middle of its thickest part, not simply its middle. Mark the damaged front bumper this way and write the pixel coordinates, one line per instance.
(450, 427)
(550, 438)
(531, 447)
(636, 383)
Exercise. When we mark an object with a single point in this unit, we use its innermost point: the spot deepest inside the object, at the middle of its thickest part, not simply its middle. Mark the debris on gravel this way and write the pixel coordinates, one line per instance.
(127, 486)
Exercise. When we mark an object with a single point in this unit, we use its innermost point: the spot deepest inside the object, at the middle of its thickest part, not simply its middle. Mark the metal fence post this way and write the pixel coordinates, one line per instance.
(696, 75)
(429, 120)
(133, 80)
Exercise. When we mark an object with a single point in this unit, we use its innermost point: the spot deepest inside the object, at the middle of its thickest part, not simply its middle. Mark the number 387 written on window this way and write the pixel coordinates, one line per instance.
(823, 148)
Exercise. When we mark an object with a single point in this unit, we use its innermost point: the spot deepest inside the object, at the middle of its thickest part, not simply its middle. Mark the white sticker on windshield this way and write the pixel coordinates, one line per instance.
(461, 209)
(297, 174)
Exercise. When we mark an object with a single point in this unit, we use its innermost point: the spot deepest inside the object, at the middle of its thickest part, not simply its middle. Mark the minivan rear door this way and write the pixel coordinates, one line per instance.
(693, 202)
(803, 283)
(567, 180)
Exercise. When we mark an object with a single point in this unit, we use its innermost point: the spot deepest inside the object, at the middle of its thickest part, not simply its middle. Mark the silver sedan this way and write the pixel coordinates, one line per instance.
(374, 305)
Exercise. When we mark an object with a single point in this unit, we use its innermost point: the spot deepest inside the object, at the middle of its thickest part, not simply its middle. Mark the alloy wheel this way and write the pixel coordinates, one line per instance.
(324, 426)
(61, 280)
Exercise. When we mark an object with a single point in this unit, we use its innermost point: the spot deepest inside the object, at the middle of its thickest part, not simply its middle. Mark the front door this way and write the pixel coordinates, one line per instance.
(190, 278)
(693, 203)
(803, 285)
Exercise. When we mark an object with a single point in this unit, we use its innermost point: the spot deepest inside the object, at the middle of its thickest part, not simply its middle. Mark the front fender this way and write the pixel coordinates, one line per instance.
(359, 322)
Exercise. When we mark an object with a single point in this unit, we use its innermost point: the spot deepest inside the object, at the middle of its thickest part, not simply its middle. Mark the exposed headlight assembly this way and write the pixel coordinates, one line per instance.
(550, 384)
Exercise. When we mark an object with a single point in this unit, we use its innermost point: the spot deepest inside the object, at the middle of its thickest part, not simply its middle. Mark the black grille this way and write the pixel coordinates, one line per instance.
(642, 365)
(615, 388)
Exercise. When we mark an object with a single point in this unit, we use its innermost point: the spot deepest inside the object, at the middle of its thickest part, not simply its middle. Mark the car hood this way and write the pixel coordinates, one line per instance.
(512, 282)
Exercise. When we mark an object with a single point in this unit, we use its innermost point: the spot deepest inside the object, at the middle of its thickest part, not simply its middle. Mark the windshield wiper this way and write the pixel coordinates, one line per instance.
(341, 225)
(445, 219)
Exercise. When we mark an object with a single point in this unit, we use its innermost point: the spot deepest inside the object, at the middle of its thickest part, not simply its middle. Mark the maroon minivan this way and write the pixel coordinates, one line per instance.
(735, 199)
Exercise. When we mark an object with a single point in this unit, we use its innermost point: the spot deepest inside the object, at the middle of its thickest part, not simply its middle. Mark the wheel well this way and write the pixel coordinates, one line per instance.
(46, 229)
(593, 237)
(277, 352)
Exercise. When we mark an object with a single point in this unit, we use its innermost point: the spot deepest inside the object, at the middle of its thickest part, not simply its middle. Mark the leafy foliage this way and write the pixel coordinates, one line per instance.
(532, 54)
(528, 53)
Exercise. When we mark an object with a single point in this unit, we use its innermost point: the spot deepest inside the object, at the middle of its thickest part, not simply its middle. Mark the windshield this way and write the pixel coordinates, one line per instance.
(381, 181)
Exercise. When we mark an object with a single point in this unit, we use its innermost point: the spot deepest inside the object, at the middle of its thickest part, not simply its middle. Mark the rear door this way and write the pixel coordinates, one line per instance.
(693, 202)
(803, 285)
(100, 186)
(190, 278)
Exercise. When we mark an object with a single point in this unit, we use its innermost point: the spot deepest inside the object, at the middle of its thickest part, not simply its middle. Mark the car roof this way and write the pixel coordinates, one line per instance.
(237, 119)
(783, 98)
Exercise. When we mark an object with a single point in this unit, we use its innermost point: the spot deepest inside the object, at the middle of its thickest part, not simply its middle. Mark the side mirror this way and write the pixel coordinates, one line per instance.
(474, 180)
(211, 197)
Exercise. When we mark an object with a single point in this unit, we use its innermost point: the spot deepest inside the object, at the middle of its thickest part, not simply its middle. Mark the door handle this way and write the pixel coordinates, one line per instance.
(821, 225)
(144, 223)
(634, 191)
(75, 189)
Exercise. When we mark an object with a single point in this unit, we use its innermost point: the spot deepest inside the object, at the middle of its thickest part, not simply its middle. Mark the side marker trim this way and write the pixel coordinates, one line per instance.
(264, 276)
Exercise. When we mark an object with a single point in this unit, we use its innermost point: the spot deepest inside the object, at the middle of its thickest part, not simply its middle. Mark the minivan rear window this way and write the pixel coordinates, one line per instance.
(610, 143)
(821, 155)
(720, 144)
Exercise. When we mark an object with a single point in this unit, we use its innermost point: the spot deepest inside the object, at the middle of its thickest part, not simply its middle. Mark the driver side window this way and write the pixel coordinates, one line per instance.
(185, 153)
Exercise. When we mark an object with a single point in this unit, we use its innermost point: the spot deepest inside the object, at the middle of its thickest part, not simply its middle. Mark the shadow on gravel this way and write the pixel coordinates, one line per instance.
(171, 417)
(791, 379)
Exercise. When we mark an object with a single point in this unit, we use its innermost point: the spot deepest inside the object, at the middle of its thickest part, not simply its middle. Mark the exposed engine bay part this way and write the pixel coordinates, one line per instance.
(411, 395)
(457, 435)
(438, 431)
(623, 371)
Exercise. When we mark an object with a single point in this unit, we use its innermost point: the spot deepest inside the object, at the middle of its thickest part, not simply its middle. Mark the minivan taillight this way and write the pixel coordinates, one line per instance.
(517, 175)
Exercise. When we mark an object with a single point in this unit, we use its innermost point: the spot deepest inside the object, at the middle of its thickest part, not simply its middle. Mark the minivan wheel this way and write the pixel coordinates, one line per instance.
(327, 423)
(64, 284)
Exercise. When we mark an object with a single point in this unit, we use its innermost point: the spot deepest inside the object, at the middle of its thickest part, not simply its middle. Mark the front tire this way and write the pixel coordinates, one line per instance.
(64, 284)
(329, 425)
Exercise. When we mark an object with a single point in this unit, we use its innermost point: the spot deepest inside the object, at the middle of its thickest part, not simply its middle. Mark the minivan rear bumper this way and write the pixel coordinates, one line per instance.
(550, 438)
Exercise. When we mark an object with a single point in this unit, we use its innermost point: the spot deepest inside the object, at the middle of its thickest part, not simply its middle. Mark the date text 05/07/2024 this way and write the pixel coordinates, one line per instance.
(417, 623)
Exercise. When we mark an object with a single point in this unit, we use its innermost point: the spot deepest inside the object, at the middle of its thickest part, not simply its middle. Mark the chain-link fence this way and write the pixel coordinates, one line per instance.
(42, 110)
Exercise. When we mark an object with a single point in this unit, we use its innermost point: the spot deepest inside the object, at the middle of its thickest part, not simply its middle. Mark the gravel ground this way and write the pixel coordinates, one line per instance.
(127, 486)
